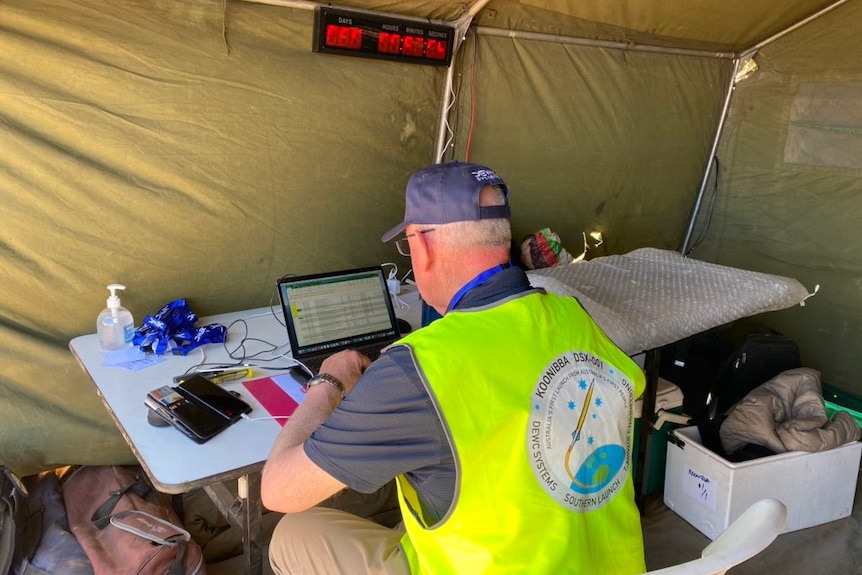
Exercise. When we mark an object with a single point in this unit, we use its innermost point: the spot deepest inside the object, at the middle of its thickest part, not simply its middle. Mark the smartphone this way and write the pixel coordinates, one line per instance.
(196, 422)
(201, 391)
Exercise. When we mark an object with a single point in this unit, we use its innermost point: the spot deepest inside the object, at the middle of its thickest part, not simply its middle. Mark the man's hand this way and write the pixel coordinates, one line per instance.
(347, 366)
(290, 481)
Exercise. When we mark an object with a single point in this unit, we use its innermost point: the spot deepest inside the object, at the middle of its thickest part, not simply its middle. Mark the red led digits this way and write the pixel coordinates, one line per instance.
(435, 49)
(413, 46)
(349, 33)
(344, 37)
(389, 43)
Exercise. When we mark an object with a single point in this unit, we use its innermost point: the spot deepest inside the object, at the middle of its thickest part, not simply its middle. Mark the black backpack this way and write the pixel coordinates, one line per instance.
(717, 368)
(758, 359)
(691, 364)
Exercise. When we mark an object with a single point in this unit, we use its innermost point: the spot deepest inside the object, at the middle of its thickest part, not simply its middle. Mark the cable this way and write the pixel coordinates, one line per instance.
(241, 360)
(393, 273)
(240, 353)
(246, 417)
(272, 298)
(394, 285)
(392, 282)
(472, 98)
(454, 90)
(399, 303)
(242, 344)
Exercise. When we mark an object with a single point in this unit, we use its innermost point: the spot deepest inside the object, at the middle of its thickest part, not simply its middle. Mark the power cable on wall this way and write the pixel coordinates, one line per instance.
(472, 98)
(710, 209)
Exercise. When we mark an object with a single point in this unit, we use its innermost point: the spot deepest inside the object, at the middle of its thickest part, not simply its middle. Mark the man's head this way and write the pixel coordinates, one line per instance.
(456, 222)
(447, 193)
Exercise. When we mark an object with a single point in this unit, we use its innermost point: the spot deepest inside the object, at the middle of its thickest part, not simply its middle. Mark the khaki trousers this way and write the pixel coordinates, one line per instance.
(322, 541)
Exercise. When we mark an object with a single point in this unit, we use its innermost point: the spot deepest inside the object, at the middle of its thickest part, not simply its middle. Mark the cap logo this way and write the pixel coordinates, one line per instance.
(485, 175)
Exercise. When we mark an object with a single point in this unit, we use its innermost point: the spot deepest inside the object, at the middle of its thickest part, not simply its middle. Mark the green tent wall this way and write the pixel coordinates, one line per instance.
(790, 185)
(200, 149)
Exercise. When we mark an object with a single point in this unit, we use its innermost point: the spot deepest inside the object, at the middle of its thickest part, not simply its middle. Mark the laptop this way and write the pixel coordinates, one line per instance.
(328, 312)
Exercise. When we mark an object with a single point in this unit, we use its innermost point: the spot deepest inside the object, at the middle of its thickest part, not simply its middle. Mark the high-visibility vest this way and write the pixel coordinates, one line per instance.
(538, 405)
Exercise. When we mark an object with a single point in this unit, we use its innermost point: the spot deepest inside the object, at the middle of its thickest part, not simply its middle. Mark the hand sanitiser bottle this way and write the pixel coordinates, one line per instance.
(115, 325)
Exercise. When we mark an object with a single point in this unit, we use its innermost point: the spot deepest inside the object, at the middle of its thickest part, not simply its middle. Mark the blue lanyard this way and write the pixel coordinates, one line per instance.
(476, 281)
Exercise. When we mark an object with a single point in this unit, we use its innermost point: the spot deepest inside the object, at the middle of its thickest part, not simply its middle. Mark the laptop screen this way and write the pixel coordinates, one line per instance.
(332, 311)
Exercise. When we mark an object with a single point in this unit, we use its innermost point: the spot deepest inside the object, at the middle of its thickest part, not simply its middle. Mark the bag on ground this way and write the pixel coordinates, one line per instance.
(123, 526)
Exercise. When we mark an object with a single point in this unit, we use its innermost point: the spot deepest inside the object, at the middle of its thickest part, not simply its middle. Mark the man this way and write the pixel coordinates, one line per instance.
(507, 423)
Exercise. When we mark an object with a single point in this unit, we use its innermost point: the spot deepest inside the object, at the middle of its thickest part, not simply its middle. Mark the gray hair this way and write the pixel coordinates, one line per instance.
(495, 232)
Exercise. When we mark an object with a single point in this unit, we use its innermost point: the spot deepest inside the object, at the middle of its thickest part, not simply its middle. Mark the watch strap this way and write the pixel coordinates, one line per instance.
(328, 378)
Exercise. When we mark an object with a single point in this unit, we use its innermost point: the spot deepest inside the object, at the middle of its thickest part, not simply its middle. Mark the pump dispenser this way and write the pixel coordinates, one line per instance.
(115, 325)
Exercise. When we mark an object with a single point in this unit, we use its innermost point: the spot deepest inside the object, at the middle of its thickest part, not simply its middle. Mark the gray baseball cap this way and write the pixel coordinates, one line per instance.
(446, 193)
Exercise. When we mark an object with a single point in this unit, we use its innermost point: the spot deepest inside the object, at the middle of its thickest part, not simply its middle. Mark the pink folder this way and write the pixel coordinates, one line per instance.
(280, 395)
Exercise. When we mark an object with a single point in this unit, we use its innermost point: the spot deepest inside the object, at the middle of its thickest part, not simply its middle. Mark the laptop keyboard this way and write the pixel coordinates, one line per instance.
(372, 351)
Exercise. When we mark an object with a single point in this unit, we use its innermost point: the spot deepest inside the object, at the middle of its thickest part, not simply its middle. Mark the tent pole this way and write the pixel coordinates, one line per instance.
(686, 242)
(516, 34)
(443, 126)
(464, 21)
(461, 26)
(791, 28)
(300, 4)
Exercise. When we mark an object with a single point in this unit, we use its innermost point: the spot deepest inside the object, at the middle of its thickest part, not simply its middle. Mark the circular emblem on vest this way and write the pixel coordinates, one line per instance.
(579, 432)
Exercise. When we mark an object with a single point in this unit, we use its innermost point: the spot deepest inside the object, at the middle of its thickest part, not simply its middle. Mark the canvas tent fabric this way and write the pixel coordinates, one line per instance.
(200, 149)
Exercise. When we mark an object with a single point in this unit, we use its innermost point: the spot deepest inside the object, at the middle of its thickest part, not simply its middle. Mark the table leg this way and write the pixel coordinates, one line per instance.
(243, 512)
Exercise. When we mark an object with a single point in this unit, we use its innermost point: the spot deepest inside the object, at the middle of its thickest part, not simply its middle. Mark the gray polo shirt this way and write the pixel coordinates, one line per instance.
(387, 425)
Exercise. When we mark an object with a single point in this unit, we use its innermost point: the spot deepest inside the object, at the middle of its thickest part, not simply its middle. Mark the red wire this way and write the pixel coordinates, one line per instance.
(472, 102)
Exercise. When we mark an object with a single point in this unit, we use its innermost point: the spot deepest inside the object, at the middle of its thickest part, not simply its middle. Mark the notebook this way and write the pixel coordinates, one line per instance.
(328, 312)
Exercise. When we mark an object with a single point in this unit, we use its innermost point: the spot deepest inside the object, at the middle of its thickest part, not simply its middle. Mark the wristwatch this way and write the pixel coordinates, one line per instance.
(327, 378)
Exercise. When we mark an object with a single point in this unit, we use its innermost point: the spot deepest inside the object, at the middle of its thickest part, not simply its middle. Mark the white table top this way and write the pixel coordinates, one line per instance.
(173, 462)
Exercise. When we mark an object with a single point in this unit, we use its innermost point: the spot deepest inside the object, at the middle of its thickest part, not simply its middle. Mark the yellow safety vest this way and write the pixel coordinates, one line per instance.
(538, 405)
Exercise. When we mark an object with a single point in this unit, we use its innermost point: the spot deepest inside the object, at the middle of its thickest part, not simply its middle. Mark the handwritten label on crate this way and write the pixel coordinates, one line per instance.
(699, 486)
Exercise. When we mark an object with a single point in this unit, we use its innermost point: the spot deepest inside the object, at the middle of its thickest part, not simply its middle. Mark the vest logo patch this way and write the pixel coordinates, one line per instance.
(579, 432)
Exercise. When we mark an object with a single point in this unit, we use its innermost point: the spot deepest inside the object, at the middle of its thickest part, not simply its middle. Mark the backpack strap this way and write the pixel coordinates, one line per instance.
(102, 515)
(11, 492)
(157, 530)
(7, 527)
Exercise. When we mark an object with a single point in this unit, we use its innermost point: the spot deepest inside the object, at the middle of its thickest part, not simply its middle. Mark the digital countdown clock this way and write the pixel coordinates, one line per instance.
(348, 33)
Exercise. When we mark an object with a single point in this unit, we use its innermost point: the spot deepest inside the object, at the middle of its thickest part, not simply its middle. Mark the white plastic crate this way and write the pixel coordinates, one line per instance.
(710, 492)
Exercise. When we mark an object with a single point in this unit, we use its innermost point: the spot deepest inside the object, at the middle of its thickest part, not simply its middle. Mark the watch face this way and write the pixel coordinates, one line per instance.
(326, 378)
(314, 381)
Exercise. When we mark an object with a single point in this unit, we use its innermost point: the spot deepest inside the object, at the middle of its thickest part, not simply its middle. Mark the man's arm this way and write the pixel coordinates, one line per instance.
(290, 481)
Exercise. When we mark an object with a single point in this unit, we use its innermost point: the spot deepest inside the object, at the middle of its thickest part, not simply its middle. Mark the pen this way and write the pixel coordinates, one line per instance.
(221, 377)
(226, 376)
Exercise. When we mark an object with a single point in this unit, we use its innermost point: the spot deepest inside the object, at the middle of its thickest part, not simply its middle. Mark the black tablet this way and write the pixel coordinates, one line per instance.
(203, 392)
(197, 422)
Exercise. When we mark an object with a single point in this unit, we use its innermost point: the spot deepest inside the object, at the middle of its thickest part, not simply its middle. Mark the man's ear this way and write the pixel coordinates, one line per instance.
(422, 252)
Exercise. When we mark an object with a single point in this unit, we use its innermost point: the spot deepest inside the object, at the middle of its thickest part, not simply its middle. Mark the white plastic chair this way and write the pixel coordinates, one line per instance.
(751, 533)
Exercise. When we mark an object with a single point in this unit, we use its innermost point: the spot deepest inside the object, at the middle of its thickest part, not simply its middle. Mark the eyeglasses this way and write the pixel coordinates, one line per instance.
(403, 245)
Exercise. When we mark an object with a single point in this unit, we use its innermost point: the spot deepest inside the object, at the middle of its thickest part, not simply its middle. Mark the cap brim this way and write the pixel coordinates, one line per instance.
(394, 232)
